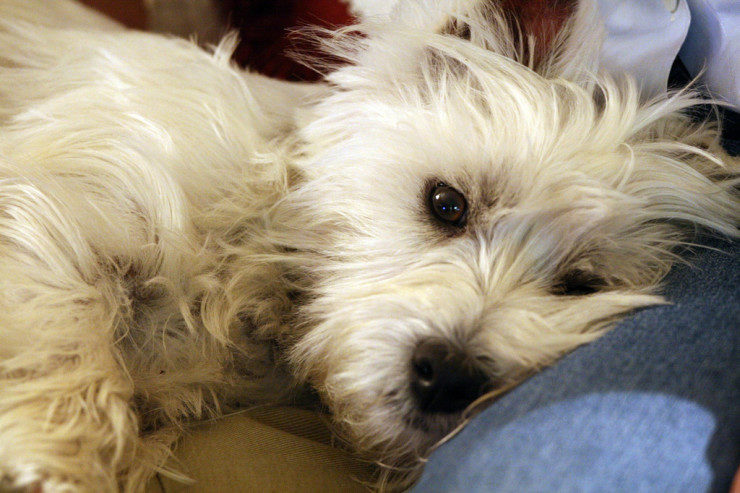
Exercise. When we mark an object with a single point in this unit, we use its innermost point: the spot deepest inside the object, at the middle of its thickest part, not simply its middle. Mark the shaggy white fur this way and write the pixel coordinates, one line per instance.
(177, 235)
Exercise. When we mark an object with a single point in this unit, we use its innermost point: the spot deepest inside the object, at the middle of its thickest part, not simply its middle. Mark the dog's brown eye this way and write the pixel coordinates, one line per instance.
(448, 204)
(577, 283)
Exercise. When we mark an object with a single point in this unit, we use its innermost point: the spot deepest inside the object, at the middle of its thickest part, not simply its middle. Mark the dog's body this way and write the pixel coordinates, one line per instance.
(176, 234)
(132, 297)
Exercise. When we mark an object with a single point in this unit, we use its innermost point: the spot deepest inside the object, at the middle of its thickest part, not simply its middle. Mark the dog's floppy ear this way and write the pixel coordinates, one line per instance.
(557, 38)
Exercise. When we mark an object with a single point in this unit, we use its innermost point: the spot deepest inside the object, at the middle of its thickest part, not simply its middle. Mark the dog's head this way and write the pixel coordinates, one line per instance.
(478, 202)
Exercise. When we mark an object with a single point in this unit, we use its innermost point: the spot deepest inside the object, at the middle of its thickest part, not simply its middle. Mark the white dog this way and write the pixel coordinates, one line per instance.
(463, 202)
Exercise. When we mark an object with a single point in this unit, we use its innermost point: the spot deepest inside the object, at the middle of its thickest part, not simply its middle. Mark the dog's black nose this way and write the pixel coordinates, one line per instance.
(443, 380)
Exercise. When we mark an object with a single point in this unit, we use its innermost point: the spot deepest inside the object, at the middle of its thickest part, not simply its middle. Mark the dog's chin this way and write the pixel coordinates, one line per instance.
(403, 437)
(434, 425)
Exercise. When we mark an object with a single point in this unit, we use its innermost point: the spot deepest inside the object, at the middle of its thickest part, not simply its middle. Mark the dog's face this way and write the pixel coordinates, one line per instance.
(474, 220)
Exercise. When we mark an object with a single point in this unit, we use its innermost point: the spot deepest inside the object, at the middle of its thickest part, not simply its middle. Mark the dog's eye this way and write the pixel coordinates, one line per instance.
(577, 283)
(448, 205)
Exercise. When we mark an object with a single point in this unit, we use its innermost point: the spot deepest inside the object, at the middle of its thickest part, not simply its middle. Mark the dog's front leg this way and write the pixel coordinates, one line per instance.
(74, 429)
(68, 417)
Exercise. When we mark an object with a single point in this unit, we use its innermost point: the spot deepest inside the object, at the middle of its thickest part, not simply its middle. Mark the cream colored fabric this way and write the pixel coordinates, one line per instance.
(264, 450)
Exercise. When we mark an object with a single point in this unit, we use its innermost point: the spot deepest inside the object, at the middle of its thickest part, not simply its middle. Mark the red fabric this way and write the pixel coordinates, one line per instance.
(265, 27)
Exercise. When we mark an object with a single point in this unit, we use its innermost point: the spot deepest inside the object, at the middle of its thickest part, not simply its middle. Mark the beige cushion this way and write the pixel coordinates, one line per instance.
(264, 450)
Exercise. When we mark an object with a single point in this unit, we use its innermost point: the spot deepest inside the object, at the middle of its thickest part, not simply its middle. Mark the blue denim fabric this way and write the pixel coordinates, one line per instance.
(654, 405)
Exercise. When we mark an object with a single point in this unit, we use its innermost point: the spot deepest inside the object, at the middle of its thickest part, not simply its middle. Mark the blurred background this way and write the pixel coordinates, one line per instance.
(643, 37)
(265, 26)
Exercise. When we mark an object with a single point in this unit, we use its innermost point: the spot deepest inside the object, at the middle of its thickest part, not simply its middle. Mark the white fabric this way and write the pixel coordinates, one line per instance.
(643, 38)
(713, 43)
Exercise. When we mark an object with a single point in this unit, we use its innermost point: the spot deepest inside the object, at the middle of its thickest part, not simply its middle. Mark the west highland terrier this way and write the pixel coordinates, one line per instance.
(464, 200)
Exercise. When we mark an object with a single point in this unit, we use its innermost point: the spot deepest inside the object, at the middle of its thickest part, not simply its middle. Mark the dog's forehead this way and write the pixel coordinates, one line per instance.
(474, 130)
(475, 147)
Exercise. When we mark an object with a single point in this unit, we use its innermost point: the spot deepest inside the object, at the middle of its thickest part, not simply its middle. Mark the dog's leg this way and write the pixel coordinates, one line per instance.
(74, 428)
(66, 414)
(67, 402)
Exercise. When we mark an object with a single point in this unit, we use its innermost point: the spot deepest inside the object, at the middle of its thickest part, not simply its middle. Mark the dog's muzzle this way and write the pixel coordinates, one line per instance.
(443, 379)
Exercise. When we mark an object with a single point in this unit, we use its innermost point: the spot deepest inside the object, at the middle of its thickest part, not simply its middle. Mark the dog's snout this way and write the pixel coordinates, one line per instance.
(444, 380)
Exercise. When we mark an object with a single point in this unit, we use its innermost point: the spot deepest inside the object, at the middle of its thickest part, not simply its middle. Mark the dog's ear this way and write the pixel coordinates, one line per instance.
(557, 38)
